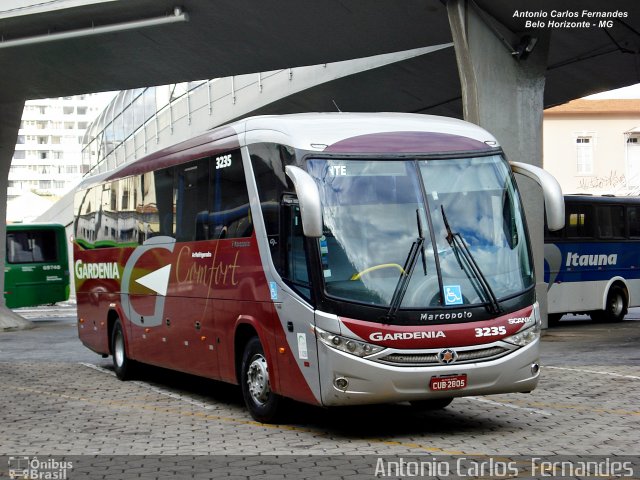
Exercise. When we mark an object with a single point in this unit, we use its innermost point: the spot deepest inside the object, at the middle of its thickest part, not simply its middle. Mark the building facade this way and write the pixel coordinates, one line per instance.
(593, 146)
(48, 154)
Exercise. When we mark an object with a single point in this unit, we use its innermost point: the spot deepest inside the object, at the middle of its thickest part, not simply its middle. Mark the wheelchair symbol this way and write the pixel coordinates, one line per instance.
(452, 295)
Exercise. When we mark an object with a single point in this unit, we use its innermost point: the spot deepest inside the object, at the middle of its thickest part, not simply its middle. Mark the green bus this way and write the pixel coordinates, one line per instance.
(36, 268)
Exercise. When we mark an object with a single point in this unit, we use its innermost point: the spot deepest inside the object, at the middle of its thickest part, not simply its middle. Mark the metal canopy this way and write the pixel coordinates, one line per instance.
(229, 37)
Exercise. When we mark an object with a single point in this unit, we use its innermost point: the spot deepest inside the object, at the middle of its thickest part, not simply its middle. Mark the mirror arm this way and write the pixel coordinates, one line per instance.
(553, 197)
(308, 200)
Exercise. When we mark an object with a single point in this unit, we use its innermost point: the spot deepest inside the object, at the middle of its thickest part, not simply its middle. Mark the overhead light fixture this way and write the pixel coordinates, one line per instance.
(524, 47)
(178, 15)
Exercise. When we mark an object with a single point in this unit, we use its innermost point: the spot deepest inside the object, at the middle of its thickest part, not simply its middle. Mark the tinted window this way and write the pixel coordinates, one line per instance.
(32, 247)
(633, 215)
(268, 161)
(192, 193)
(159, 203)
(610, 221)
(229, 215)
(579, 221)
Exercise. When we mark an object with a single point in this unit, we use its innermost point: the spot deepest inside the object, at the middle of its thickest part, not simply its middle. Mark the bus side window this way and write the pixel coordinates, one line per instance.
(32, 247)
(192, 193)
(17, 248)
(633, 217)
(296, 272)
(610, 221)
(579, 221)
(229, 216)
(159, 203)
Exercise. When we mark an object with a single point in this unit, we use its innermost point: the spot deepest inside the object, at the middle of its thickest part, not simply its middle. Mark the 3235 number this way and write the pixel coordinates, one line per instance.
(223, 162)
(491, 331)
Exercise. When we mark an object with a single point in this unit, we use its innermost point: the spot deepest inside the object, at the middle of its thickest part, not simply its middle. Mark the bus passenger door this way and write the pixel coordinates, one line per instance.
(300, 369)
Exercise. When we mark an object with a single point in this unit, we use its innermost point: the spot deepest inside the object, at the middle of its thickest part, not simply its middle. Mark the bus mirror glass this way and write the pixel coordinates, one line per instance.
(308, 200)
(551, 190)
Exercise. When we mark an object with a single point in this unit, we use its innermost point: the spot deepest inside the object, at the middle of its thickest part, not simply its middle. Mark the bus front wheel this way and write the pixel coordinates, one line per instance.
(615, 308)
(263, 404)
(122, 365)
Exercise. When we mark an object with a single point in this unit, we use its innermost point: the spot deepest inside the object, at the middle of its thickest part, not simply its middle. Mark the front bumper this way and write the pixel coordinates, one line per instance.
(369, 382)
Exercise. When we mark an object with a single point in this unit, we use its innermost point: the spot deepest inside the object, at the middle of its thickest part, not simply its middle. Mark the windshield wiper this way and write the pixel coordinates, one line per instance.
(407, 270)
(462, 252)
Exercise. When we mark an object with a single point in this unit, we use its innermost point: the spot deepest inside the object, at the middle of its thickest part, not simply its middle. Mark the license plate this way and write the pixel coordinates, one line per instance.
(452, 382)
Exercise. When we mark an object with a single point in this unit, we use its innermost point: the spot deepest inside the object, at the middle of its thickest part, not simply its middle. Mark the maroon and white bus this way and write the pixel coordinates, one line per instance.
(335, 259)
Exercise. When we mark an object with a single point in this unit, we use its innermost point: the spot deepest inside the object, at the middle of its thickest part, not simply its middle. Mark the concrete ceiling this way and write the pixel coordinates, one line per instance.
(227, 37)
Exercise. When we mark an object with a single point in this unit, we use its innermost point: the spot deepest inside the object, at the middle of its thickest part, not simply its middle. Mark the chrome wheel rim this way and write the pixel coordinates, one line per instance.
(118, 348)
(258, 380)
(617, 305)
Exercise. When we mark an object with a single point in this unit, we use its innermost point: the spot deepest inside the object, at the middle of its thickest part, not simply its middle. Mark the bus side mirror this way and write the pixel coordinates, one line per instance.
(308, 200)
(551, 190)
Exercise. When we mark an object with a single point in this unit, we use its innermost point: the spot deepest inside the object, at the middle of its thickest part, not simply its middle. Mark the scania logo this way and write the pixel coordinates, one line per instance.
(447, 356)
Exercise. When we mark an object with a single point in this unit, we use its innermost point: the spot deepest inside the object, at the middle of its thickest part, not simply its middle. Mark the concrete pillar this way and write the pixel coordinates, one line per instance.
(502, 91)
(10, 116)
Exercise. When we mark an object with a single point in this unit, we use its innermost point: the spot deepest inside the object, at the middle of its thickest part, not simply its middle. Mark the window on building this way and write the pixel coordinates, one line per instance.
(68, 110)
(19, 155)
(584, 148)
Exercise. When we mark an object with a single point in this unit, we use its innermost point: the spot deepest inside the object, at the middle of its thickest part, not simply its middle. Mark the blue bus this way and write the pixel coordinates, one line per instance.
(592, 265)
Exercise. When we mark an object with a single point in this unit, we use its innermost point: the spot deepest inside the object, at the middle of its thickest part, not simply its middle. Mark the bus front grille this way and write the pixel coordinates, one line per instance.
(426, 359)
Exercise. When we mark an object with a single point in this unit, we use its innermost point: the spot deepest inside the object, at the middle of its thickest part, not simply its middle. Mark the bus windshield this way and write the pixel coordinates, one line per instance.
(389, 223)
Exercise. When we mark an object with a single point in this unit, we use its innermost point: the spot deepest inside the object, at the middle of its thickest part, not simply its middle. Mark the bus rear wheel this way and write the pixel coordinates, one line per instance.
(263, 404)
(122, 365)
(615, 308)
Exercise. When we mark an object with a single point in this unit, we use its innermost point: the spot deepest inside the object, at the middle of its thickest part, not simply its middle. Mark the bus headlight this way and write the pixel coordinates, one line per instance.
(347, 345)
(528, 334)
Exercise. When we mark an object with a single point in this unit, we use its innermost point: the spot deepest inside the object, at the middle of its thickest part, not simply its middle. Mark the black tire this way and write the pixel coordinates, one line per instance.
(122, 365)
(434, 404)
(262, 403)
(616, 307)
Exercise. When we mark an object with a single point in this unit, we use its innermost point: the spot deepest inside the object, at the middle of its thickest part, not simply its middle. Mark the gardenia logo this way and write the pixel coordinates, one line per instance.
(96, 270)
(378, 336)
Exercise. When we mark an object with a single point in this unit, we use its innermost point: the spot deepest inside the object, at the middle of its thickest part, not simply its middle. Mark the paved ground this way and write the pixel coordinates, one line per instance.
(61, 401)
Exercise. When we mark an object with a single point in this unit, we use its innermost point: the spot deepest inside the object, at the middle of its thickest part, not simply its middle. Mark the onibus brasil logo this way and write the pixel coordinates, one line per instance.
(33, 468)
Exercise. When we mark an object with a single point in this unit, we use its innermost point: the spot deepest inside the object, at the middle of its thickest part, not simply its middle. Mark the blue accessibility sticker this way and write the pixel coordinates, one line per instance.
(452, 295)
(273, 287)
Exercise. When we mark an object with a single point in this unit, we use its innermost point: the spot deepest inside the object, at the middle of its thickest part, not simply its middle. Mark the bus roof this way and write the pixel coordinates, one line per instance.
(322, 132)
(601, 199)
(31, 226)
(334, 131)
